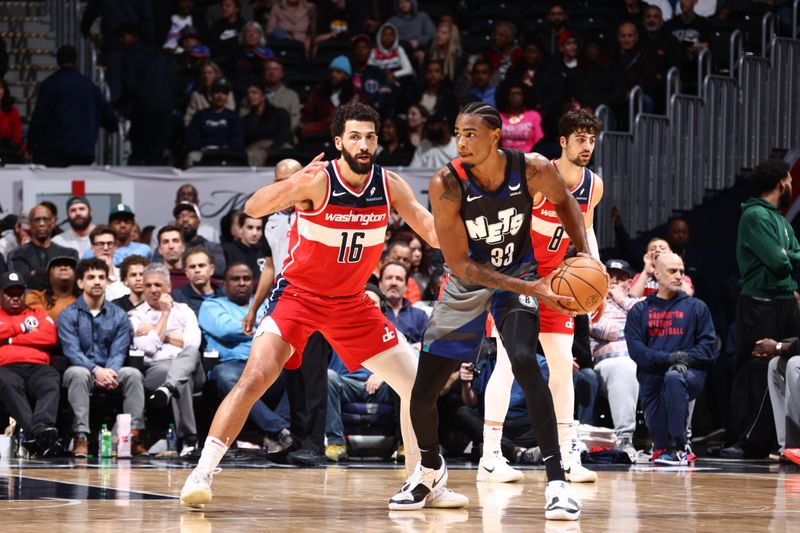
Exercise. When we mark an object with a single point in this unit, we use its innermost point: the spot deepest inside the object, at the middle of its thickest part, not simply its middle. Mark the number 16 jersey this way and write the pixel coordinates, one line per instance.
(550, 240)
(334, 249)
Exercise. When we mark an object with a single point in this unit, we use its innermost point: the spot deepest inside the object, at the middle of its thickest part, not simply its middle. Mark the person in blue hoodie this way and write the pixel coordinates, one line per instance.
(671, 338)
(221, 321)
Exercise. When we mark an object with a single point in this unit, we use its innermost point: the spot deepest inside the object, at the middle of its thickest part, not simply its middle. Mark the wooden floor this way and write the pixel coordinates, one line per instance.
(123, 499)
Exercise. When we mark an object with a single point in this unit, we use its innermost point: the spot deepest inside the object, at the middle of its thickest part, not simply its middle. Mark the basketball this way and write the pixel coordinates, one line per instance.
(581, 278)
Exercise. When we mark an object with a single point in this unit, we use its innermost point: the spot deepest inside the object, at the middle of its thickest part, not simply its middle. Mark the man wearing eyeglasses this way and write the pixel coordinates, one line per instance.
(31, 259)
(104, 246)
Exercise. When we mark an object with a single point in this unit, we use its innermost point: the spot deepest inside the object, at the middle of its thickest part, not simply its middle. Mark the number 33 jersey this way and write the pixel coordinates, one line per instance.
(498, 223)
(333, 250)
(550, 241)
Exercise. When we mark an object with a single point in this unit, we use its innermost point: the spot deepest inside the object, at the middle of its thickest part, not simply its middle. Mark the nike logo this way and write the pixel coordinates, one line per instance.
(472, 198)
(490, 471)
(437, 481)
(510, 188)
(342, 193)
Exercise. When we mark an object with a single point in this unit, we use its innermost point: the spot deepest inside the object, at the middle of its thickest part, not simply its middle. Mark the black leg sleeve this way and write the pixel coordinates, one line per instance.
(432, 374)
(520, 334)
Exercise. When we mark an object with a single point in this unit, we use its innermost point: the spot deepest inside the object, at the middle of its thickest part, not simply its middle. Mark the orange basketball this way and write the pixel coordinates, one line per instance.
(581, 278)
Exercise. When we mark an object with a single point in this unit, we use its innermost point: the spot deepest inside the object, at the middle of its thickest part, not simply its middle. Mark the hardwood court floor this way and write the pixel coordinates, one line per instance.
(130, 498)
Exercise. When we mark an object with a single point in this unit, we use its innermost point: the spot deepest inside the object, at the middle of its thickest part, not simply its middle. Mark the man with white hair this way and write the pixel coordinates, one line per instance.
(168, 333)
(671, 338)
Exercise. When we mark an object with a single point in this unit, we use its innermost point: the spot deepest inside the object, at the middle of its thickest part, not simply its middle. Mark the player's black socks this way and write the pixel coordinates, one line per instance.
(552, 465)
(431, 457)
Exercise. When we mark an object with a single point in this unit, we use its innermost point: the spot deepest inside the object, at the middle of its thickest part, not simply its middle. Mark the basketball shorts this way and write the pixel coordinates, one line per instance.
(458, 322)
(355, 328)
(554, 322)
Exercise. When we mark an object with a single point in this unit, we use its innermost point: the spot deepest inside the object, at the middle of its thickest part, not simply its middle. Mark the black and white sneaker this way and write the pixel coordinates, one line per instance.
(427, 487)
(561, 505)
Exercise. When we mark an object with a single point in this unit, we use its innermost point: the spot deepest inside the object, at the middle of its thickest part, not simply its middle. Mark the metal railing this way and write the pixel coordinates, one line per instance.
(666, 163)
(795, 21)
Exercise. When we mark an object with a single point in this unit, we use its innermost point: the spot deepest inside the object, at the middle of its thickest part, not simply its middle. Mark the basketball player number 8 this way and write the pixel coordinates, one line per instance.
(555, 241)
(503, 256)
(351, 252)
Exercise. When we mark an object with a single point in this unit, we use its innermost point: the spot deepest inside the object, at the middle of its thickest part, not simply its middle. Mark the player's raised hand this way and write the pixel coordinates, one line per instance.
(310, 170)
(542, 290)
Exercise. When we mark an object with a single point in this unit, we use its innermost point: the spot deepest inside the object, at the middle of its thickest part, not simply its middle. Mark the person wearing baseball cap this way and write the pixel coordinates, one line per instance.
(187, 219)
(26, 378)
(79, 216)
(61, 289)
(121, 218)
(216, 127)
(612, 363)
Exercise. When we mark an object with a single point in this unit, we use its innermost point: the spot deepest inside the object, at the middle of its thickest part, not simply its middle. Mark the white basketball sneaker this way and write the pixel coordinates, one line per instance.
(495, 469)
(427, 487)
(561, 504)
(197, 489)
(574, 471)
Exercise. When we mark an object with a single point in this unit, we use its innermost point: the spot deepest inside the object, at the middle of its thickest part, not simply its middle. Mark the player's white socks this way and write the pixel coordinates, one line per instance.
(213, 451)
(566, 433)
(492, 436)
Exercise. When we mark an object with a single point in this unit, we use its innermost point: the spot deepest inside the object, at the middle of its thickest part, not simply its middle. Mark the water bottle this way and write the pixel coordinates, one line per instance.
(21, 444)
(105, 442)
(172, 439)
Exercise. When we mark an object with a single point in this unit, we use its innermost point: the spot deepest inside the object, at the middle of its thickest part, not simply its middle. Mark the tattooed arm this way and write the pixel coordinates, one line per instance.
(445, 195)
(543, 177)
(304, 189)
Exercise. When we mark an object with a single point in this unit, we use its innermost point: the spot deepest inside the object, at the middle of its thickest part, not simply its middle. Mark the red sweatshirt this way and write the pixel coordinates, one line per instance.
(32, 347)
(11, 126)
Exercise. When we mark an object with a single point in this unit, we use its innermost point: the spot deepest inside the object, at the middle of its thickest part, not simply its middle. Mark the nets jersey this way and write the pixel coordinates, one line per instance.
(333, 250)
(498, 223)
(550, 241)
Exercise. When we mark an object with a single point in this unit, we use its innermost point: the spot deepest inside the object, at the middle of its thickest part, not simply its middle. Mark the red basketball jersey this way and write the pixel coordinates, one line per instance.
(333, 250)
(550, 241)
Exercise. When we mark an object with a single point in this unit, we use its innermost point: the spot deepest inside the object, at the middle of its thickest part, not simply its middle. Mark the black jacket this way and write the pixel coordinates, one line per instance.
(31, 261)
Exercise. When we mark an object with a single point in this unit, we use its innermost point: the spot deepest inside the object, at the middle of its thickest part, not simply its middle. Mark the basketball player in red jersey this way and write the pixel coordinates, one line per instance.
(577, 131)
(343, 208)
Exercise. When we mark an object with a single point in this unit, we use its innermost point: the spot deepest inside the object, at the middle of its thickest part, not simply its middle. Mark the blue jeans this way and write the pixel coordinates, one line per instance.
(271, 422)
(342, 389)
(586, 386)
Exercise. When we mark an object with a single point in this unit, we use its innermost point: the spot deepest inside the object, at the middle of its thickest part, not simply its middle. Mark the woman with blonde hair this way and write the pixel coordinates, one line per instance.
(207, 73)
(446, 47)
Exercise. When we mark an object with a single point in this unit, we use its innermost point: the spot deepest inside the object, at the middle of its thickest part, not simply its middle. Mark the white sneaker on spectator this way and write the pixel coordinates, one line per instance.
(561, 504)
(196, 490)
(188, 448)
(574, 471)
(625, 444)
(495, 468)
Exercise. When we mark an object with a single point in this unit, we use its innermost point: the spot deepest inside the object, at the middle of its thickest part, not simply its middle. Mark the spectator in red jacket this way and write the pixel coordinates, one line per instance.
(10, 123)
(29, 386)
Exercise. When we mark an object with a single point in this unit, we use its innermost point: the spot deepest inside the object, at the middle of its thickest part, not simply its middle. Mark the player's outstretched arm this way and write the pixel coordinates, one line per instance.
(445, 195)
(543, 177)
(414, 213)
(305, 189)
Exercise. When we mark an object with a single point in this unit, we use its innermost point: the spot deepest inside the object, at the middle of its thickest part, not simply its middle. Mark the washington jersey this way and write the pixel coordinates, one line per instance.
(333, 250)
(498, 223)
(550, 241)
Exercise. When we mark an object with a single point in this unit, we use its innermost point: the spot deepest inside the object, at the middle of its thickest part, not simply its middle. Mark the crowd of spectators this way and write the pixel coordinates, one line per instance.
(206, 82)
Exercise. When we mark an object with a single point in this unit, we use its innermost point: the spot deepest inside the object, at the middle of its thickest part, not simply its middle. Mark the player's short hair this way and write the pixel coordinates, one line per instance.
(130, 261)
(393, 263)
(768, 173)
(93, 263)
(355, 111)
(101, 229)
(488, 114)
(578, 120)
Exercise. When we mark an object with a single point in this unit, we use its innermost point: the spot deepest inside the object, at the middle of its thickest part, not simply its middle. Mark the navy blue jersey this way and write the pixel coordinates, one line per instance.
(498, 223)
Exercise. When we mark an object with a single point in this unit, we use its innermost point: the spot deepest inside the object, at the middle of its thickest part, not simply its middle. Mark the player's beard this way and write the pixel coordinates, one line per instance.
(355, 165)
(577, 161)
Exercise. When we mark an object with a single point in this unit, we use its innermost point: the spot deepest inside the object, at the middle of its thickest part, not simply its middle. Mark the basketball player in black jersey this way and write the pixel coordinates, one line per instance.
(482, 204)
